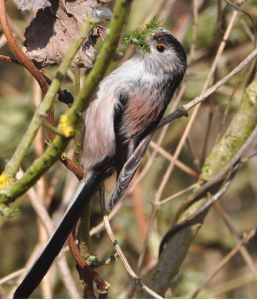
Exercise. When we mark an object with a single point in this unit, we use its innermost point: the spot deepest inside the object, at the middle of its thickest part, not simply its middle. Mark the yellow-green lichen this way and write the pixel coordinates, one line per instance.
(251, 92)
(8, 212)
(5, 181)
(65, 127)
(63, 156)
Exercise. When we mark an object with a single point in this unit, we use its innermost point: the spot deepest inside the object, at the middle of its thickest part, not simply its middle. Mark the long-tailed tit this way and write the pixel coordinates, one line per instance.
(120, 121)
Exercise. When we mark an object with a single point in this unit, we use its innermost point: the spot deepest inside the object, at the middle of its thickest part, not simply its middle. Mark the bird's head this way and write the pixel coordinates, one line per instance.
(161, 52)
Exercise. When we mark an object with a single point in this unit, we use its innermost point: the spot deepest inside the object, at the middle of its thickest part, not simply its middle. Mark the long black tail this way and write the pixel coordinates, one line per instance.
(80, 200)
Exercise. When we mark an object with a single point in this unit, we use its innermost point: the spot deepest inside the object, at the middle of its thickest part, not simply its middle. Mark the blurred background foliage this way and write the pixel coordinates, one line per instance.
(18, 92)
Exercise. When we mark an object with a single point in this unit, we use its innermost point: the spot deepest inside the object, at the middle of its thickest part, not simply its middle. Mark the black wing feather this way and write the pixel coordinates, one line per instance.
(128, 172)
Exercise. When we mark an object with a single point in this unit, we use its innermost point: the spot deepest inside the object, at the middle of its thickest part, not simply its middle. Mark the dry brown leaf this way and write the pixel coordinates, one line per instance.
(100, 31)
(50, 34)
(33, 4)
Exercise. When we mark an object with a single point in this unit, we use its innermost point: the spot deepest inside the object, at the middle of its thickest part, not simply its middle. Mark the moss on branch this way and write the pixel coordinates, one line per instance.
(236, 134)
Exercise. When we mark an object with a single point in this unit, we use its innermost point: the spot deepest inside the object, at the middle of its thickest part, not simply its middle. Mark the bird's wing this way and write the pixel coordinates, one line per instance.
(135, 121)
(122, 148)
(128, 171)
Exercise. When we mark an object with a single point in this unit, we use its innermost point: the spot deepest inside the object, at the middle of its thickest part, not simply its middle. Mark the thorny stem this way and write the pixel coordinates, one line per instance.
(13, 165)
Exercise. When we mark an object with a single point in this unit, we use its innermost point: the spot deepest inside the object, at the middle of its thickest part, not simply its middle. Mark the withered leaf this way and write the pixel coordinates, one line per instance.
(50, 34)
(33, 4)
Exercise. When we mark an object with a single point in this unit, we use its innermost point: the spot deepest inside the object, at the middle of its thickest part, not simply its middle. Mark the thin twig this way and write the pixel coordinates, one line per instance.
(225, 79)
(178, 194)
(48, 225)
(34, 254)
(53, 152)
(193, 116)
(178, 163)
(17, 50)
(12, 275)
(25, 61)
(229, 103)
(203, 208)
(229, 285)
(225, 260)
(164, 13)
(102, 285)
(212, 97)
(53, 184)
(51, 127)
(155, 206)
(247, 30)
(245, 254)
(224, 171)
(41, 187)
(138, 281)
(236, 6)
(17, 62)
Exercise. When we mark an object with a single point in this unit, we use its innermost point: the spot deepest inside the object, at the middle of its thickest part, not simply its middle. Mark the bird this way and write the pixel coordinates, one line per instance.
(123, 114)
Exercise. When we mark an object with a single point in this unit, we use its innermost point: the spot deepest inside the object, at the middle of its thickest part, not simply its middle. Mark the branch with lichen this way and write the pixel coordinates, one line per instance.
(73, 118)
(233, 139)
(78, 134)
(238, 131)
(13, 165)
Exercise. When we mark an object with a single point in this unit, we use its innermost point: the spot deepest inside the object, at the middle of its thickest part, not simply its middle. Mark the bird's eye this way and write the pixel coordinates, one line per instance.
(160, 48)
